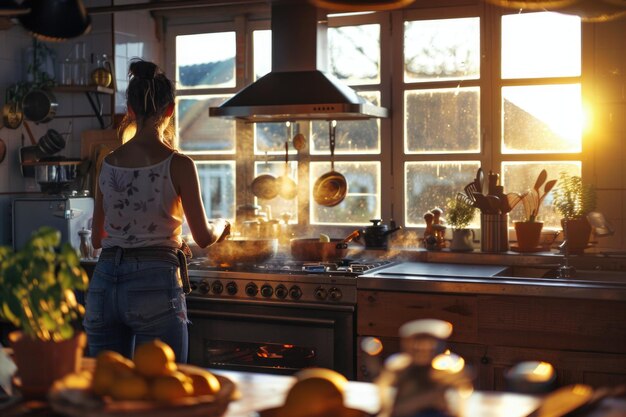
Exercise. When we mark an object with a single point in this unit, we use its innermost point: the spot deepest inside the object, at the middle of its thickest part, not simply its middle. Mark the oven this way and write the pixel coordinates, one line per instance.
(274, 318)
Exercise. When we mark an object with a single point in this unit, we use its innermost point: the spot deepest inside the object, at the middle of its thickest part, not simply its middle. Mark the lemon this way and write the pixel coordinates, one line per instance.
(130, 388)
(154, 358)
(204, 382)
(324, 238)
(171, 387)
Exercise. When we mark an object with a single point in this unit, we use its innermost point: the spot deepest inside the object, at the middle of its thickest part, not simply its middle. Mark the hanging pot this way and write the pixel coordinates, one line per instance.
(331, 188)
(39, 106)
(264, 187)
(12, 114)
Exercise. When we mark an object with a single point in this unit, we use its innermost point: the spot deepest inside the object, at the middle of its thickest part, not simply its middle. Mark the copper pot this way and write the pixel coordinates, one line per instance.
(331, 188)
(312, 249)
(264, 187)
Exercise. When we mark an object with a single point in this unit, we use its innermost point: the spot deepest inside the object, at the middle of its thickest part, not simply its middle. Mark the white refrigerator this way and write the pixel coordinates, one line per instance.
(66, 213)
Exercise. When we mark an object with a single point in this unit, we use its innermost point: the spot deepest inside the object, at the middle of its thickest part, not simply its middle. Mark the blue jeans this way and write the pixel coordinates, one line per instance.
(132, 300)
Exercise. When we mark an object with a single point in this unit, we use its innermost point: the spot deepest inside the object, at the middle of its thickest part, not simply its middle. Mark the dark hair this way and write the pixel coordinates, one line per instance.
(149, 94)
(149, 90)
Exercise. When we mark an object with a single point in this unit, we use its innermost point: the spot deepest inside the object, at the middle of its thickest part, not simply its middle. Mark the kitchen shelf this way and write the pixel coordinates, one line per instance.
(92, 92)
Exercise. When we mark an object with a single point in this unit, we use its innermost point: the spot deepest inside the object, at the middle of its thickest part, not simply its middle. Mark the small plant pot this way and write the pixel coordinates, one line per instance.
(40, 363)
(462, 240)
(577, 235)
(528, 235)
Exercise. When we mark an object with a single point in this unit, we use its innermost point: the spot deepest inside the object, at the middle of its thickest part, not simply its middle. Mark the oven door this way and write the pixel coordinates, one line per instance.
(277, 338)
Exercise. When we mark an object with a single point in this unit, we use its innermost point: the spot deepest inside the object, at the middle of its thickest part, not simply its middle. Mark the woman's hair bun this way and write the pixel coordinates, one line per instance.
(142, 69)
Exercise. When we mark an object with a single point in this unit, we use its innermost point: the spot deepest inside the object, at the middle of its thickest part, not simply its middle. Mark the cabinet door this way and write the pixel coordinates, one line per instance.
(572, 367)
(381, 313)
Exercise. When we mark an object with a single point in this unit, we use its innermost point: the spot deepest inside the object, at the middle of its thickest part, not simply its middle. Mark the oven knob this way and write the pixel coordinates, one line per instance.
(231, 288)
(267, 290)
(251, 289)
(335, 294)
(217, 287)
(295, 292)
(204, 287)
(320, 293)
(281, 291)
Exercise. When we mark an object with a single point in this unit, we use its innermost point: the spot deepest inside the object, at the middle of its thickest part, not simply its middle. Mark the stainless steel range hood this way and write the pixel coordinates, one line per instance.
(297, 88)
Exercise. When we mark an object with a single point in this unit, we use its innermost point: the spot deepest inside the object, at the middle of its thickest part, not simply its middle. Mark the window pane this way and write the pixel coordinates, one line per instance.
(351, 137)
(430, 184)
(442, 120)
(278, 206)
(442, 49)
(217, 182)
(270, 138)
(540, 45)
(197, 132)
(521, 176)
(262, 43)
(201, 65)
(362, 201)
(542, 118)
(354, 53)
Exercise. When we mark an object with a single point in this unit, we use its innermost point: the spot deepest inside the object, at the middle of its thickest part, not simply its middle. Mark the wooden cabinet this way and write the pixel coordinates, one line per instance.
(584, 339)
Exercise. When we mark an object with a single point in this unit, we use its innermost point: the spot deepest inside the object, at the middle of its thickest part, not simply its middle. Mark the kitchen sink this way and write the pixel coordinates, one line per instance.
(613, 277)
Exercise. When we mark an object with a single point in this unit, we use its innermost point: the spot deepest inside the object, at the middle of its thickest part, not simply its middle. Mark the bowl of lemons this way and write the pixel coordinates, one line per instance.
(152, 384)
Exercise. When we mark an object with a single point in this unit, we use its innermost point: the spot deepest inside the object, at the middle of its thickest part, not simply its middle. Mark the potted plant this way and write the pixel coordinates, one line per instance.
(528, 230)
(459, 215)
(37, 284)
(574, 200)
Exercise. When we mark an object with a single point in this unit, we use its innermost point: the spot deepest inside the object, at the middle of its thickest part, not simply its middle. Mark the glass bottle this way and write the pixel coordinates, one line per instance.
(101, 74)
(79, 71)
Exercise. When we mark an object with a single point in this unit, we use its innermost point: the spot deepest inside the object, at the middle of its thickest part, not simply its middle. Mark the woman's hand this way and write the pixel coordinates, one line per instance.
(225, 231)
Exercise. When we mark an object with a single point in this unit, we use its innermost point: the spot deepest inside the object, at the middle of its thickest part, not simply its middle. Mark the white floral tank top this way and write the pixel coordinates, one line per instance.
(141, 206)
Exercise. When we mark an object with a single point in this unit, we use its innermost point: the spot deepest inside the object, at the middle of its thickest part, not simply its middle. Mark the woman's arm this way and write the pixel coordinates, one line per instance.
(97, 222)
(185, 179)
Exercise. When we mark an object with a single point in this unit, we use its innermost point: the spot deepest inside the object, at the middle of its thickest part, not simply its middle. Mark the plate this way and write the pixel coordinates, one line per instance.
(532, 250)
(72, 398)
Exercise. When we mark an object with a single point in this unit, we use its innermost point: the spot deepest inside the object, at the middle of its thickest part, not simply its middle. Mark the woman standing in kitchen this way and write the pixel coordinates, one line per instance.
(137, 291)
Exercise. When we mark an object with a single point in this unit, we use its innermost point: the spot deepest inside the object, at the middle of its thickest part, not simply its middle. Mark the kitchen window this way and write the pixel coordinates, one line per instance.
(466, 86)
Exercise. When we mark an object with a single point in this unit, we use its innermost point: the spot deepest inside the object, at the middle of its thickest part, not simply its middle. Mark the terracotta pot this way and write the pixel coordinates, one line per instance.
(577, 234)
(528, 235)
(40, 363)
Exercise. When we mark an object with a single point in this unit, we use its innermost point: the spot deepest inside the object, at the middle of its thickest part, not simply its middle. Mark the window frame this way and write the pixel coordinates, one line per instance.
(392, 87)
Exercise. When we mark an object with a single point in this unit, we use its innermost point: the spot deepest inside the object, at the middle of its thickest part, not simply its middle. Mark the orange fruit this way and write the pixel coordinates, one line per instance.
(154, 358)
(109, 367)
(317, 396)
(129, 388)
(204, 382)
(171, 387)
(103, 379)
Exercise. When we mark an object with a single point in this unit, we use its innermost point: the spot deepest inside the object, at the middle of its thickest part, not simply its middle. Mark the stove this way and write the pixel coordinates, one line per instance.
(281, 280)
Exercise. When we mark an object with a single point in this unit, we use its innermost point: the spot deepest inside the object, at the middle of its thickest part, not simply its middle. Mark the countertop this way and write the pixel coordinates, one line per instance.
(411, 276)
(262, 391)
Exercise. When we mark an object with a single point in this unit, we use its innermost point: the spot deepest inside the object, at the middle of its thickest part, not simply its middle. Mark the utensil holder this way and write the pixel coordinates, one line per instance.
(494, 232)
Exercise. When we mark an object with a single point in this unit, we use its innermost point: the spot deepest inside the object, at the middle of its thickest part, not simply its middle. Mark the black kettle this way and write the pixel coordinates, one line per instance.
(376, 236)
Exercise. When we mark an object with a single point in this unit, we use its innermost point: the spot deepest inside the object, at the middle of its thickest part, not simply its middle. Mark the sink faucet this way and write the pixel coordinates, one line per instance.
(566, 270)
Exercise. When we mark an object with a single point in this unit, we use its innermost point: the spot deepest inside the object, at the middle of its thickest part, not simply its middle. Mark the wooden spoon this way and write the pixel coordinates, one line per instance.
(543, 175)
